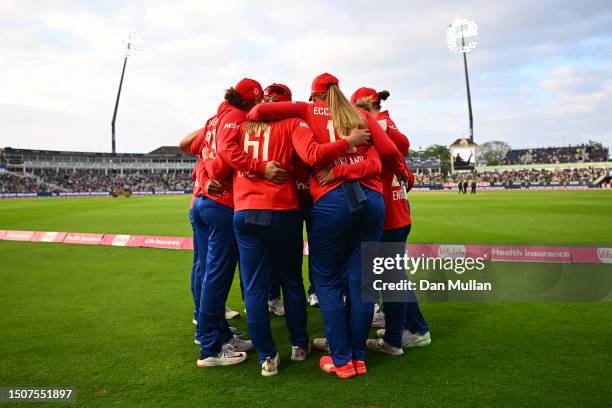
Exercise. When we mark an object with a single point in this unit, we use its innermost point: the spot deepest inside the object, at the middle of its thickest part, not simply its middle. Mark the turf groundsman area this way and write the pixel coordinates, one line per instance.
(115, 323)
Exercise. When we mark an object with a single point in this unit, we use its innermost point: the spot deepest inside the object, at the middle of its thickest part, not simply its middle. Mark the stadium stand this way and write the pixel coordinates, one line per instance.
(167, 169)
(530, 177)
(29, 171)
(584, 153)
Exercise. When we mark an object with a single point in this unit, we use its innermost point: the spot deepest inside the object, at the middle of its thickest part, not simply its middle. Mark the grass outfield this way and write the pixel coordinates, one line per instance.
(553, 217)
(115, 322)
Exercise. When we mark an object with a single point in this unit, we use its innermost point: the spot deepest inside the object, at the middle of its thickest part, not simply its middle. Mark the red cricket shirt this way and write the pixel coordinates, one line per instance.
(316, 114)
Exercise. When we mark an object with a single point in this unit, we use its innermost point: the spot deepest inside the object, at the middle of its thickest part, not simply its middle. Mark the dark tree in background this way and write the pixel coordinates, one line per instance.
(492, 153)
(442, 152)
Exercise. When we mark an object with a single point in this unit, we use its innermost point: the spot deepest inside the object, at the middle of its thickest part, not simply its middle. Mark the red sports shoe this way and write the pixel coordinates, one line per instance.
(360, 367)
(346, 371)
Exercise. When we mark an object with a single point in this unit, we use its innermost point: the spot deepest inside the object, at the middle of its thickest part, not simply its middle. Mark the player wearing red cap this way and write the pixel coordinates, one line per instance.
(345, 214)
(405, 324)
(268, 227)
(276, 93)
(213, 217)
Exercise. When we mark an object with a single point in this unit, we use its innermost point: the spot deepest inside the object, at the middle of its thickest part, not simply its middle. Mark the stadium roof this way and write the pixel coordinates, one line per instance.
(161, 151)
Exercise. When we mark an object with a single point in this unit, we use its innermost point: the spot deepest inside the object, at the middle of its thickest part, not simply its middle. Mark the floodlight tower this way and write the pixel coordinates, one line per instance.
(461, 38)
(133, 45)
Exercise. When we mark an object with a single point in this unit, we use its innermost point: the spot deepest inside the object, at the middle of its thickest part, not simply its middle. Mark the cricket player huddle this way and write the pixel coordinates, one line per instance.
(267, 166)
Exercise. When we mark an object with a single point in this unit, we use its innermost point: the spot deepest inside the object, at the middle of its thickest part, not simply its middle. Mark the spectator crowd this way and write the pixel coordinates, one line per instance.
(518, 177)
(584, 153)
(91, 181)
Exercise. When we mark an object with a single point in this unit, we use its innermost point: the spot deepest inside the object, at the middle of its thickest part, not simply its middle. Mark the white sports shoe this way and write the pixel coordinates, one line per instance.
(313, 300)
(240, 345)
(231, 314)
(378, 320)
(415, 339)
(410, 340)
(384, 347)
(276, 306)
(321, 344)
(299, 354)
(196, 341)
(270, 366)
(194, 321)
(226, 357)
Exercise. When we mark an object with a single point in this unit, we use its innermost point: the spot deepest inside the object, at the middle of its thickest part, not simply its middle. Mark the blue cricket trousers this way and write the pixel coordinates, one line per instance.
(196, 270)
(213, 223)
(271, 242)
(307, 216)
(335, 252)
(401, 315)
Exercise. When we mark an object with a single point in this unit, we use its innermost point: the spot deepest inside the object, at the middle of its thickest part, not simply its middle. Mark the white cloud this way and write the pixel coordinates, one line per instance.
(541, 74)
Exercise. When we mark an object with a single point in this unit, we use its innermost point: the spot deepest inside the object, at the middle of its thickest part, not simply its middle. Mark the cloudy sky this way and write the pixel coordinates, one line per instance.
(541, 75)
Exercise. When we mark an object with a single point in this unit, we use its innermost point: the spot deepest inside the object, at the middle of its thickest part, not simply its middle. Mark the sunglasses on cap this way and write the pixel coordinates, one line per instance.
(275, 89)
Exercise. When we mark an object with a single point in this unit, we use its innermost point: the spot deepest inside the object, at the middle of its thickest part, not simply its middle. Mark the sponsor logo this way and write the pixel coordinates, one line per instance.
(452, 251)
(319, 110)
(604, 255)
(48, 237)
(120, 240)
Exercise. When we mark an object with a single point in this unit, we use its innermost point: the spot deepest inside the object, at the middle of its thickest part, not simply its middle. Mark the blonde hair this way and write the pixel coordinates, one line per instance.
(255, 128)
(344, 115)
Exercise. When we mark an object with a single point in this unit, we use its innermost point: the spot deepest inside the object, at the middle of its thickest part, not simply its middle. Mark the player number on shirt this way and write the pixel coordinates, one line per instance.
(253, 142)
(211, 139)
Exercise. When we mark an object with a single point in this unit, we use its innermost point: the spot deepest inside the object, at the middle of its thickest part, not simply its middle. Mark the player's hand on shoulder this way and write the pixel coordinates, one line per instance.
(359, 137)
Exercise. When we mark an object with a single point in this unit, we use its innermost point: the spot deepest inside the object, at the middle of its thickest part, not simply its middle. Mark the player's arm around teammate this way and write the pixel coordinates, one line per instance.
(213, 216)
(268, 228)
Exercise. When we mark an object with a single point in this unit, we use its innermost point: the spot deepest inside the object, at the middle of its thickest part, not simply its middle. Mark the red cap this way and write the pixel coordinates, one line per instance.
(322, 82)
(281, 92)
(249, 89)
(364, 93)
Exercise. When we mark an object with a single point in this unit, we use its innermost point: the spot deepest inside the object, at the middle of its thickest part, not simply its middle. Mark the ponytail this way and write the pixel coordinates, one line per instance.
(383, 95)
(344, 115)
(233, 97)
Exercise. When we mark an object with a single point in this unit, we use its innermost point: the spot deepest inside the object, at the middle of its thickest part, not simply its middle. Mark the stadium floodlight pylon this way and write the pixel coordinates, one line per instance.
(133, 46)
(461, 38)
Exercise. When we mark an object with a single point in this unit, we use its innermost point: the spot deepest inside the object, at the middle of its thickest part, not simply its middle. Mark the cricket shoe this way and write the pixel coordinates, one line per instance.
(231, 314)
(313, 300)
(299, 353)
(194, 321)
(197, 341)
(276, 306)
(227, 356)
(346, 371)
(378, 320)
(240, 345)
(360, 367)
(270, 366)
(384, 347)
(321, 344)
(410, 340)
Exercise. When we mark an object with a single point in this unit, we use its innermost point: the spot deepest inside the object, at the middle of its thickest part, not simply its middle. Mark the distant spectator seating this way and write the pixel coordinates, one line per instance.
(584, 153)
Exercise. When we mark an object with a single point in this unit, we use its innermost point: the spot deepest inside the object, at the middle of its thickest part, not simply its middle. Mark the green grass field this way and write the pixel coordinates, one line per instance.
(116, 322)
